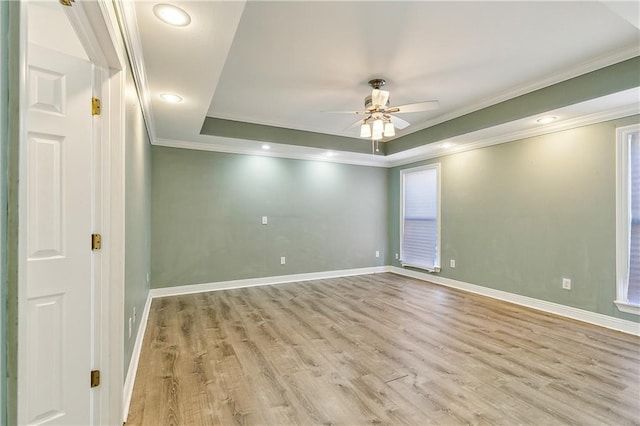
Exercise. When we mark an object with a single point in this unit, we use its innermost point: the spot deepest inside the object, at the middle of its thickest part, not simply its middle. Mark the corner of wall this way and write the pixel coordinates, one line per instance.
(10, 275)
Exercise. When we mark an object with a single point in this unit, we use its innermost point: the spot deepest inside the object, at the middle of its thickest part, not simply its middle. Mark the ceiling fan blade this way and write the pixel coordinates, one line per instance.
(399, 123)
(417, 107)
(347, 112)
(356, 124)
(379, 98)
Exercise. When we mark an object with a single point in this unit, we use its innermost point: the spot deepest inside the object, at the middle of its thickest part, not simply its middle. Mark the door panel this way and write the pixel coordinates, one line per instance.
(45, 190)
(59, 257)
(46, 384)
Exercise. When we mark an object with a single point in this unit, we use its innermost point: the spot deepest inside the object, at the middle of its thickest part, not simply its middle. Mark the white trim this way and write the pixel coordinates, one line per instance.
(135, 358)
(99, 399)
(623, 218)
(304, 153)
(113, 214)
(601, 320)
(97, 23)
(627, 307)
(113, 248)
(127, 12)
(255, 282)
(22, 215)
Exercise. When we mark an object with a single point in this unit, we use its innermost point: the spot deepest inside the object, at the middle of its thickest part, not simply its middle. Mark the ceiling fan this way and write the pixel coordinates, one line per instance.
(379, 122)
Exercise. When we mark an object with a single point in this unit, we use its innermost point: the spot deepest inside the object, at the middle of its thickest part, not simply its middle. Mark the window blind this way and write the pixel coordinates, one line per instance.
(420, 222)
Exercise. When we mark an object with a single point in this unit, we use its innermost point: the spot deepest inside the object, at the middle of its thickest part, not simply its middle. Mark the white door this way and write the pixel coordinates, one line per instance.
(56, 390)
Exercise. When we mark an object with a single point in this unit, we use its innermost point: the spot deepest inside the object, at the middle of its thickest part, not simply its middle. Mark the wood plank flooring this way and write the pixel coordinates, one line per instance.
(377, 349)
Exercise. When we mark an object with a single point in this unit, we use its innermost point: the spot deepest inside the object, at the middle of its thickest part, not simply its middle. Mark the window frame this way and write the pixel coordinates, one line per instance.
(437, 257)
(623, 218)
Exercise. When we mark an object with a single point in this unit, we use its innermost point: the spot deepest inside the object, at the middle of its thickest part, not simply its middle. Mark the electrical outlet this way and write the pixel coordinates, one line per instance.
(377, 253)
(130, 327)
(264, 220)
(283, 260)
(566, 283)
(397, 256)
(452, 263)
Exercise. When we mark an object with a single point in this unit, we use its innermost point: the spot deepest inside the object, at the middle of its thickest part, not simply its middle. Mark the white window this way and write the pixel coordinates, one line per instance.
(420, 217)
(628, 219)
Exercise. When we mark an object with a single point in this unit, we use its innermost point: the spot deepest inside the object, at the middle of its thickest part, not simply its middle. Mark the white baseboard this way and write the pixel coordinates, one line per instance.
(253, 282)
(133, 363)
(601, 320)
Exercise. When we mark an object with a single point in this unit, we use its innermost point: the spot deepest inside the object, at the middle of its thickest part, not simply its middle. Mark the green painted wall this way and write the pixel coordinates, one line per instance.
(137, 152)
(259, 132)
(520, 216)
(4, 140)
(207, 209)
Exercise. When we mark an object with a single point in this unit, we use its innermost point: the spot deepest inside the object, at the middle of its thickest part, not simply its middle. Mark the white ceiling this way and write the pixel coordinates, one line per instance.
(286, 63)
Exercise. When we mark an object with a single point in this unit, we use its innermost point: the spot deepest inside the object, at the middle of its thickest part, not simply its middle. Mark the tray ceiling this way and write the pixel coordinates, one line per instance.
(283, 65)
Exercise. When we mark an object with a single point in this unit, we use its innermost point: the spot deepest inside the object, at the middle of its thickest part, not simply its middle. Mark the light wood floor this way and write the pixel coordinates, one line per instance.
(379, 349)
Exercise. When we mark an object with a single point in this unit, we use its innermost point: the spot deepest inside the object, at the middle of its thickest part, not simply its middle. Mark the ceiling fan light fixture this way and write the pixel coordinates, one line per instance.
(389, 130)
(365, 131)
(377, 129)
(171, 15)
(380, 120)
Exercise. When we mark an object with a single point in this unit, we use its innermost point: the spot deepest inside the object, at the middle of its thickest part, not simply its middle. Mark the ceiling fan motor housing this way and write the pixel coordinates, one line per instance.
(368, 103)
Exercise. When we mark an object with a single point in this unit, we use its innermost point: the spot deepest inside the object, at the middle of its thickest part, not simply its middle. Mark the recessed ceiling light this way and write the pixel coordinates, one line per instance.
(265, 146)
(330, 153)
(546, 120)
(172, 15)
(171, 98)
(446, 145)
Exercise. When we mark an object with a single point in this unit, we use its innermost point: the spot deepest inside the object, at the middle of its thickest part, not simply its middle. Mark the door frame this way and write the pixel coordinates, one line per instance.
(96, 26)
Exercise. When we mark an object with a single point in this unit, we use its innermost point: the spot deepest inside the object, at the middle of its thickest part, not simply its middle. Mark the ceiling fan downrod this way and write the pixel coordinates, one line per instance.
(377, 83)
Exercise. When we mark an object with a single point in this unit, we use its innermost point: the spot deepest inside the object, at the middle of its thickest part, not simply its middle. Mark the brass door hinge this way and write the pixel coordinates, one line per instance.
(96, 241)
(95, 378)
(65, 2)
(95, 106)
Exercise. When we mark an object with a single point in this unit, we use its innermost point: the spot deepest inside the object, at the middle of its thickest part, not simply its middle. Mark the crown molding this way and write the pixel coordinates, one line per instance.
(303, 153)
(133, 44)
